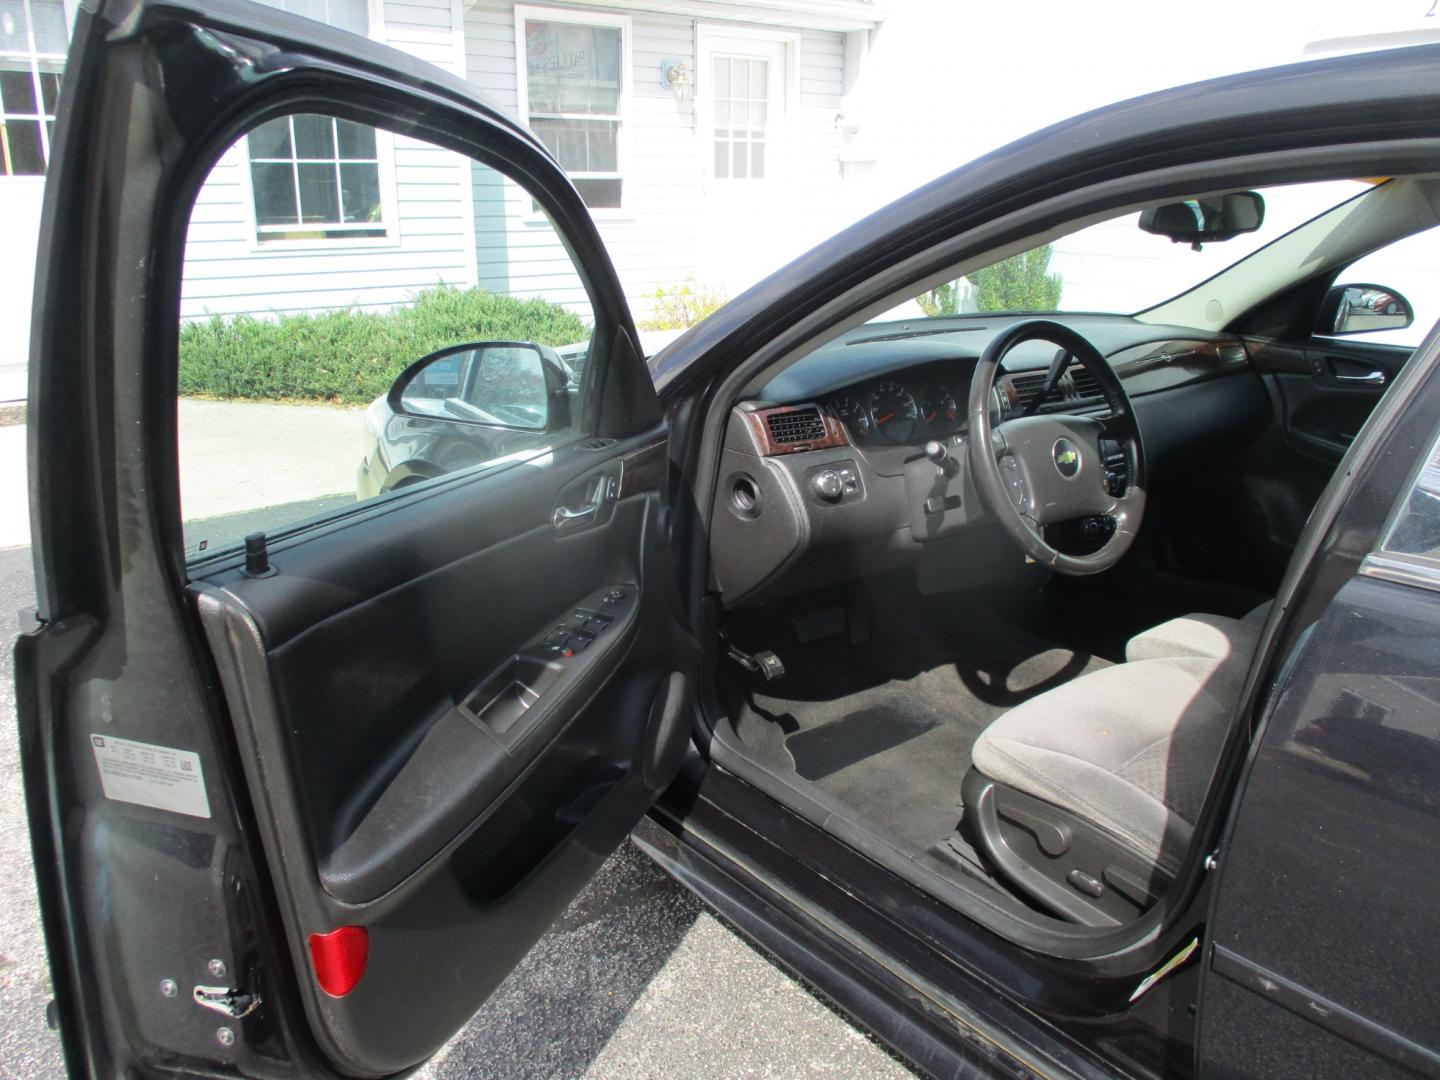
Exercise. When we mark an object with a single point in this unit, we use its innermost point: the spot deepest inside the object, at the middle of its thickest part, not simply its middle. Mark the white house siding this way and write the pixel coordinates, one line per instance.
(667, 231)
(227, 272)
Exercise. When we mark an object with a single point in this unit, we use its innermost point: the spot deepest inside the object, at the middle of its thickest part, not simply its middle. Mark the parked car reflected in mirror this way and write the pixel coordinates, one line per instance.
(463, 406)
(1360, 309)
(504, 383)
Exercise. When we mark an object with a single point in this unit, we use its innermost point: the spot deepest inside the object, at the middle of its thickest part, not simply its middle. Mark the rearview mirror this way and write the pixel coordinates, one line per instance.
(1208, 219)
(1359, 309)
(509, 384)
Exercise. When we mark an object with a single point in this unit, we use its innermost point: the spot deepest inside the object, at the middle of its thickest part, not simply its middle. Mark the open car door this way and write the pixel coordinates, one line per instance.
(299, 811)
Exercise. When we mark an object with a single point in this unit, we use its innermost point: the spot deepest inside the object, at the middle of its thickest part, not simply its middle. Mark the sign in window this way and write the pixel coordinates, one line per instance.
(573, 85)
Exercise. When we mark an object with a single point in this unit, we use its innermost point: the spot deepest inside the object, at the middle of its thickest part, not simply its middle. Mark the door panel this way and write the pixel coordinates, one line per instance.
(422, 757)
(1329, 388)
(1316, 412)
(370, 731)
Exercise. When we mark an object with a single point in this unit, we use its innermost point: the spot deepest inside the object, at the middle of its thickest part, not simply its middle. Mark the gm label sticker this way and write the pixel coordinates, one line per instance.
(149, 775)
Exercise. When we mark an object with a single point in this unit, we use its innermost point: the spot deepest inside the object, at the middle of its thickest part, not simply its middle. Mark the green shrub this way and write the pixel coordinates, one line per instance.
(354, 356)
(1020, 283)
(941, 300)
(681, 306)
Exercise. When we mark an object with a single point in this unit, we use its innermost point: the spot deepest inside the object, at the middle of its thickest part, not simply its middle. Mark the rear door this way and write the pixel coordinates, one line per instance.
(305, 789)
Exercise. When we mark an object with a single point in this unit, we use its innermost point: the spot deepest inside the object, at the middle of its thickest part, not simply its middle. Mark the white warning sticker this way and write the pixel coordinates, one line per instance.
(149, 775)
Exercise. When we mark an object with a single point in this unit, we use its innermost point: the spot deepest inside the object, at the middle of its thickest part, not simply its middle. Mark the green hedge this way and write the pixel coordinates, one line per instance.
(354, 356)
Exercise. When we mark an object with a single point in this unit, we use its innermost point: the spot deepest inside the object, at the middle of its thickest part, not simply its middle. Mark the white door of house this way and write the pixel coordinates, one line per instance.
(744, 95)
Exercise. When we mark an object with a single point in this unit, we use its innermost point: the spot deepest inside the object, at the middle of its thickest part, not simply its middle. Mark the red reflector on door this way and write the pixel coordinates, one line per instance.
(339, 958)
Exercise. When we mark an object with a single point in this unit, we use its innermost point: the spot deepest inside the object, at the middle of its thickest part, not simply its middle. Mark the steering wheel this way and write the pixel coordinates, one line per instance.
(1038, 470)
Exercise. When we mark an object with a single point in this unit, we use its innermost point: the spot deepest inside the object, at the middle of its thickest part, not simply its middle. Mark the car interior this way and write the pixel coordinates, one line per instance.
(987, 585)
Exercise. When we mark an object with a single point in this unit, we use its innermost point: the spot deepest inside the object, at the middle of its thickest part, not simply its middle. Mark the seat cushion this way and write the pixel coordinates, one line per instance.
(1217, 637)
(1130, 748)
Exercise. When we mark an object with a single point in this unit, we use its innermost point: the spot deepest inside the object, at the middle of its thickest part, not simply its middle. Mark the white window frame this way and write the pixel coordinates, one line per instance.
(389, 208)
(385, 152)
(33, 58)
(528, 12)
(780, 148)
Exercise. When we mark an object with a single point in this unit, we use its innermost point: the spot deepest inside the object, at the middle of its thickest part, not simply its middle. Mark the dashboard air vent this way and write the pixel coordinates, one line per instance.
(1086, 388)
(796, 426)
(1028, 386)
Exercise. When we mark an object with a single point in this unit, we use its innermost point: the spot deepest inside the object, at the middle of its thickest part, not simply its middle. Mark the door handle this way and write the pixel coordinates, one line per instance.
(1370, 378)
(567, 517)
(572, 517)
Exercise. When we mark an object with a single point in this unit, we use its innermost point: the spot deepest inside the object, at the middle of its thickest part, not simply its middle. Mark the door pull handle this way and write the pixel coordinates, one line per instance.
(1370, 378)
(567, 517)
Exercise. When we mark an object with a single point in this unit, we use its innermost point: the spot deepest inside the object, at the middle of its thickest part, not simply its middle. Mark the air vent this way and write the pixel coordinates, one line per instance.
(1232, 355)
(1086, 388)
(1028, 386)
(796, 426)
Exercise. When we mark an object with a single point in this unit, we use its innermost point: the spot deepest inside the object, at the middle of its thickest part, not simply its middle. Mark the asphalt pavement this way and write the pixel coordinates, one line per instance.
(637, 979)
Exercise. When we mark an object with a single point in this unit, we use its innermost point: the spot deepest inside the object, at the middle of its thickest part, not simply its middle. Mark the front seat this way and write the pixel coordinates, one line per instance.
(1216, 636)
(1085, 797)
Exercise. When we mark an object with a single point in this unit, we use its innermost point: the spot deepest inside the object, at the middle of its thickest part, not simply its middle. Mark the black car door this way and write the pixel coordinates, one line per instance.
(298, 810)
(1322, 930)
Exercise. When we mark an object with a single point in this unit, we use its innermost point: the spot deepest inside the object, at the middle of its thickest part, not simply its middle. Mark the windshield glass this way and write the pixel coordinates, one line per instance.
(1115, 267)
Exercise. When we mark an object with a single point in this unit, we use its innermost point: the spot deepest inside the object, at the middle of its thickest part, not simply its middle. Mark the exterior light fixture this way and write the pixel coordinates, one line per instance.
(675, 77)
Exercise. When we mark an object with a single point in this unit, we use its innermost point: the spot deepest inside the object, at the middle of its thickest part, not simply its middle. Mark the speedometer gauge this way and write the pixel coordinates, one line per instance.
(894, 413)
(853, 415)
(938, 411)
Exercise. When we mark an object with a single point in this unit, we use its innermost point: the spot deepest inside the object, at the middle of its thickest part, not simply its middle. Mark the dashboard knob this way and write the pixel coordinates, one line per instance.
(828, 485)
(935, 451)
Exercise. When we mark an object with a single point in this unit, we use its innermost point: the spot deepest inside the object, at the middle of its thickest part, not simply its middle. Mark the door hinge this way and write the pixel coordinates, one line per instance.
(232, 1003)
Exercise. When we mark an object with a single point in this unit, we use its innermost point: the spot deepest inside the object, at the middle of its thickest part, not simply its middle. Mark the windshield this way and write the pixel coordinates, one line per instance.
(1116, 267)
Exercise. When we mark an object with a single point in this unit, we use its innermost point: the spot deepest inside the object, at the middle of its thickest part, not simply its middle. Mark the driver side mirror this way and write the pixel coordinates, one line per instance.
(1359, 309)
(511, 384)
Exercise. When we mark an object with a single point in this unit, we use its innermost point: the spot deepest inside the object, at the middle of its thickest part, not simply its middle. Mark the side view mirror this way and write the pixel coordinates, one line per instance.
(1358, 309)
(512, 384)
(1206, 220)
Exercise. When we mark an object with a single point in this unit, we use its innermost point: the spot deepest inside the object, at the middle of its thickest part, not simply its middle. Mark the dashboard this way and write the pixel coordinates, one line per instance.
(856, 452)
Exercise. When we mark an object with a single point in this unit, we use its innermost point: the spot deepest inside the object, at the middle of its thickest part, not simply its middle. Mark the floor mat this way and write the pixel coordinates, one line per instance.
(887, 727)
(822, 751)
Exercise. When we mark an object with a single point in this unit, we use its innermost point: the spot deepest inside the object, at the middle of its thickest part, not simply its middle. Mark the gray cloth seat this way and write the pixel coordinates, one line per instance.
(1217, 637)
(1130, 748)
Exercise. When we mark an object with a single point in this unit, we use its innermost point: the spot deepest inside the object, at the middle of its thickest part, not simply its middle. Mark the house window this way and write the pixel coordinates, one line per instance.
(33, 40)
(315, 178)
(741, 102)
(352, 15)
(573, 88)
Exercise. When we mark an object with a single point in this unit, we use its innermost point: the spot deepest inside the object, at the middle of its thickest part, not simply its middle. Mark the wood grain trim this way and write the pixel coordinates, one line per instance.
(760, 430)
(644, 469)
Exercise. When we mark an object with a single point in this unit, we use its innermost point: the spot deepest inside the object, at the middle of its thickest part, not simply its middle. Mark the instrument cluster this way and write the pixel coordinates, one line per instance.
(900, 411)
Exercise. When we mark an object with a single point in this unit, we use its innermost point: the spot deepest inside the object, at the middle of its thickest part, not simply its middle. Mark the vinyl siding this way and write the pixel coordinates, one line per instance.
(461, 224)
(227, 272)
(660, 237)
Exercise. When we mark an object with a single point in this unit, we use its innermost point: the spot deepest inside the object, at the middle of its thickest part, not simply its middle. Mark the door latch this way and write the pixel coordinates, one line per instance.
(232, 1003)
